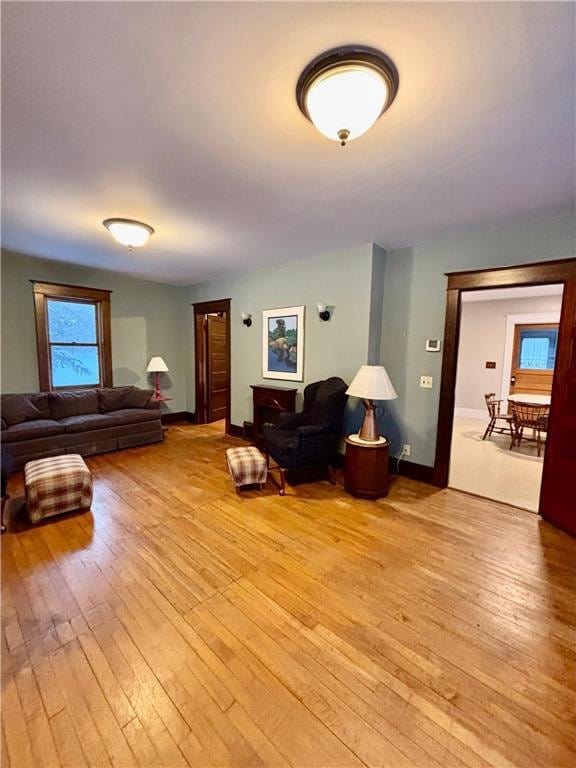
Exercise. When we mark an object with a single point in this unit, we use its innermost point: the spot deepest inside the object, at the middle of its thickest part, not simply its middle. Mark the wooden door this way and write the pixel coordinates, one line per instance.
(216, 368)
(533, 358)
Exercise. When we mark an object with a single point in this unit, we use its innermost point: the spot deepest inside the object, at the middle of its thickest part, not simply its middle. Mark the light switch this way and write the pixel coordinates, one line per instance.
(426, 382)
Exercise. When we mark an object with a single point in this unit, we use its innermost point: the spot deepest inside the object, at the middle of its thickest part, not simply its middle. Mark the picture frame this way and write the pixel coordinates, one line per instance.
(283, 343)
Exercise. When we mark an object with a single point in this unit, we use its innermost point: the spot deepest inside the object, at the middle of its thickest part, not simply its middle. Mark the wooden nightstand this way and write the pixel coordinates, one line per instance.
(366, 468)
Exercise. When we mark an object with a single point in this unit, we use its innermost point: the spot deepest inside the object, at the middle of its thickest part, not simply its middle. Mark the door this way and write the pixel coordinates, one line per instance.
(212, 361)
(533, 358)
(216, 368)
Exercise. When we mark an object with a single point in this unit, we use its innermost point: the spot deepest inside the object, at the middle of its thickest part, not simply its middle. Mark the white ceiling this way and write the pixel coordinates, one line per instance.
(183, 115)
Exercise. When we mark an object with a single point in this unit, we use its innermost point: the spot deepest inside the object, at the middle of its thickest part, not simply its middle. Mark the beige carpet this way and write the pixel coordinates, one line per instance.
(487, 468)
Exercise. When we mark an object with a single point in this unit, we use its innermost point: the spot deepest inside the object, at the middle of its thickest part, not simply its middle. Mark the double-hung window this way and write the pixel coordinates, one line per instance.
(73, 334)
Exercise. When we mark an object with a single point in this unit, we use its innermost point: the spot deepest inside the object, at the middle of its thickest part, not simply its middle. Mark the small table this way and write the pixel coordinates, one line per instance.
(531, 399)
(366, 467)
(161, 399)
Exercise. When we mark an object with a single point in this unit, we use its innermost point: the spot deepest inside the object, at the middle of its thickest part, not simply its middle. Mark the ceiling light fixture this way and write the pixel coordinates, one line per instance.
(345, 90)
(131, 233)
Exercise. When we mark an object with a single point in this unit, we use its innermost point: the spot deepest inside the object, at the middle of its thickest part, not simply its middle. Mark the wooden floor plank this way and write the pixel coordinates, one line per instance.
(181, 624)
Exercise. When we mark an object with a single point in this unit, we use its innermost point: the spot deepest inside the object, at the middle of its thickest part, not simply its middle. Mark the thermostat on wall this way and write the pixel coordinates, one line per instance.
(432, 345)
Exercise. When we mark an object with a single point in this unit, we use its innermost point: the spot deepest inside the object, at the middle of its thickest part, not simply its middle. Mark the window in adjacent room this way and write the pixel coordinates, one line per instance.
(73, 333)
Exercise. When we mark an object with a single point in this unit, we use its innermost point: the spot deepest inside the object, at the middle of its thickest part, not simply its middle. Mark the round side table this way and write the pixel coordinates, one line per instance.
(366, 467)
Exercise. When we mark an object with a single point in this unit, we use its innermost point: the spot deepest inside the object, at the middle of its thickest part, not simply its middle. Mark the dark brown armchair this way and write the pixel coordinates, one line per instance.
(309, 438)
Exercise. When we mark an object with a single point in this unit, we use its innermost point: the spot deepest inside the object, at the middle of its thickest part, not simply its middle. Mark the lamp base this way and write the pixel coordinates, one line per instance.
(157, 393)
(369, 430)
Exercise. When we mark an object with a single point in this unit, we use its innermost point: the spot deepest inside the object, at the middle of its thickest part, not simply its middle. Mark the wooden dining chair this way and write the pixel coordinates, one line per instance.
(495, 414)
(529, 416)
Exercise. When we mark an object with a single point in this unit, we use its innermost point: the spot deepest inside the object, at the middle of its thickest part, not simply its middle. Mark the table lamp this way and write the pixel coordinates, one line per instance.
(157, 366)
(371, 383)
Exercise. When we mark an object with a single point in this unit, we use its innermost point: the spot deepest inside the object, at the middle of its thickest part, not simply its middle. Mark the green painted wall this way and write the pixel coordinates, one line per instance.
(334, 348)
(147, 319)
(414, 310)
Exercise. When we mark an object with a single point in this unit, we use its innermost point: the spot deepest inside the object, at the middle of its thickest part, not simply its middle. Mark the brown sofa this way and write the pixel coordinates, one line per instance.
(86, 421)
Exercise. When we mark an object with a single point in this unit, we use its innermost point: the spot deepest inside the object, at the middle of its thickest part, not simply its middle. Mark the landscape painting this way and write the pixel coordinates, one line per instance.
(283, 343)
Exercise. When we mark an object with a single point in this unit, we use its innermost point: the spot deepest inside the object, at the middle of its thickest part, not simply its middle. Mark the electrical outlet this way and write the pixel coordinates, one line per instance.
(406, 449)
(426, 382)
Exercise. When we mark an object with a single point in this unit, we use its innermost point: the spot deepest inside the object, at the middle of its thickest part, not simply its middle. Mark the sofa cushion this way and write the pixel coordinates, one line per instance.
(29, 430)
(78, 403)
(87, 422)
(135, 415)
(138, 398)
(42, 401)
(112, 398)
(19, 408)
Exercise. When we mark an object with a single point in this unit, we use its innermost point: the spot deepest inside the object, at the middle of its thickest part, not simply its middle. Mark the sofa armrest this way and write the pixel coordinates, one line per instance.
(153, 405)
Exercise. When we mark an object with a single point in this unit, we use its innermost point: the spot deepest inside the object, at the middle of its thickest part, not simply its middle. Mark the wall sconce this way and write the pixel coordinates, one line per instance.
(323, 311)
(246, 319)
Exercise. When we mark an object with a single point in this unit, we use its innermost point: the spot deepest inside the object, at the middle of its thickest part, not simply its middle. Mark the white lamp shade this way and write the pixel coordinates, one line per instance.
(157, 365)
(372, 383)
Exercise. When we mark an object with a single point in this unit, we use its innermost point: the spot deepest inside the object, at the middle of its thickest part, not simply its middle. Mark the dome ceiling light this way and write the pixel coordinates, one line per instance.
(345, 90)
(131, 233)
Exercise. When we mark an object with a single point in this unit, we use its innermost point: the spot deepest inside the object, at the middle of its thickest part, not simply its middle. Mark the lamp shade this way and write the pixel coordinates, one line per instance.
(372, 383)
(157, 365)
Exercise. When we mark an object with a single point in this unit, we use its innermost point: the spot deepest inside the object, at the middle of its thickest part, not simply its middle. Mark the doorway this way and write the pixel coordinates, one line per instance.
(212, 363)
(556, 501)
(506, 358)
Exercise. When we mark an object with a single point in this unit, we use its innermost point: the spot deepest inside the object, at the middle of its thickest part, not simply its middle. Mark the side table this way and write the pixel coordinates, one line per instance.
(161, 399)
(366, 467)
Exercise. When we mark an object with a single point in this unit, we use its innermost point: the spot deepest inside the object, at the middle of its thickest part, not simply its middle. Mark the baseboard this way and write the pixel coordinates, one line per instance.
(471, 413)
(172, 417)
(236, 431)
(412, 470)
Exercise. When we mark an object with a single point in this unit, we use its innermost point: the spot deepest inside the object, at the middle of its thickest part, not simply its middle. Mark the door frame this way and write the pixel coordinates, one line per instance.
(200, 309)
(541, 273)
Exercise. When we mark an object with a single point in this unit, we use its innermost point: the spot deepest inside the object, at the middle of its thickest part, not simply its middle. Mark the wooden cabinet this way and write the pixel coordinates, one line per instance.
(268, 403)
(366, 468)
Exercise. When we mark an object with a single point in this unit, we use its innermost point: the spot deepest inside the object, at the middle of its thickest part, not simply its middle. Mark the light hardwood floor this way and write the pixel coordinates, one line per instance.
(179, 624)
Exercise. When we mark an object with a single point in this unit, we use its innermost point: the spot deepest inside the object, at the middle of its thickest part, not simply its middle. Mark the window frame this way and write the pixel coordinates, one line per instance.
(101, 301)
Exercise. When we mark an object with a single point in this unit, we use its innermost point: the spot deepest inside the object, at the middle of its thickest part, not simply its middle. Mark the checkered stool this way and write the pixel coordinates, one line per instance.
(247, 466)
(56, 485)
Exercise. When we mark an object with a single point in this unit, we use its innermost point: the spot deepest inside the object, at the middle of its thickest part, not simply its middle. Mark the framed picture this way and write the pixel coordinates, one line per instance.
(283, 343)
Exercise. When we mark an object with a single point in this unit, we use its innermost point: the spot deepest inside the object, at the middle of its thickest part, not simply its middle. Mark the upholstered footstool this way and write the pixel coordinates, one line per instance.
(56, 485)
(247, 466)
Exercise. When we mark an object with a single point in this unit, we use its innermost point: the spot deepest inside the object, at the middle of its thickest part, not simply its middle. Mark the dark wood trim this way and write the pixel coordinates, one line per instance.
(554, 488)
(174, 417)
(447, 387)
(202, 308)
(558, 271)
(412, 470)
(237, 431)
(44, 291)
(66, 291)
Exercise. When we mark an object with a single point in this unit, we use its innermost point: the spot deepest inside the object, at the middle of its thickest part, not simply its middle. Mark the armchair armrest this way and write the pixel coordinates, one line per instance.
(291, 420)
(311, 430)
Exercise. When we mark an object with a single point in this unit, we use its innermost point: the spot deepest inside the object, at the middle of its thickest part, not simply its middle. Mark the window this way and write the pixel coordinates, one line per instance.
(73, 333)
(538, 348)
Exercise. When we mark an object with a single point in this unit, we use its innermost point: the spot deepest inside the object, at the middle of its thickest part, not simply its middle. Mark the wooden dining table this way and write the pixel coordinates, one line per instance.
(524, 397)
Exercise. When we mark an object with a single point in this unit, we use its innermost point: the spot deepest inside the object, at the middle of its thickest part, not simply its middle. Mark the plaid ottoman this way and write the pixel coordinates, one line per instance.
(56, 485)
(247, 466)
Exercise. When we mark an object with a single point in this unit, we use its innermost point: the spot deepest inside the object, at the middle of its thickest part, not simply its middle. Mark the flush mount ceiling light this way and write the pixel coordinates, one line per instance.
(345, 90)
(131, 233)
